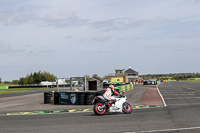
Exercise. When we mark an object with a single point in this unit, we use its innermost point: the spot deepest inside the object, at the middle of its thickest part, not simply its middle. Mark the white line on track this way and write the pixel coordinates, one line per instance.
(165, 105)
(183, 104)
(177, 129)
(171, 94)
(181, 98)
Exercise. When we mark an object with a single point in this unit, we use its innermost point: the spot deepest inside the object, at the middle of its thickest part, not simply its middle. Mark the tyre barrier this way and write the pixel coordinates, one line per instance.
(89, 96)
(47, 97)
(81, 98)
(99, 93)
(78, 97)
(56, 97)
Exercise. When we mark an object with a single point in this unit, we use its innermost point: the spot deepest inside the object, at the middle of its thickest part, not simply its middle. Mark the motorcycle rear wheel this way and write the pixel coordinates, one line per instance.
(98, 110)
(126, 108)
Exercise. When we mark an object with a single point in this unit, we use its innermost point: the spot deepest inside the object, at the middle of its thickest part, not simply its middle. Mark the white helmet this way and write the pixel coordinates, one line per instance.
(111, 86)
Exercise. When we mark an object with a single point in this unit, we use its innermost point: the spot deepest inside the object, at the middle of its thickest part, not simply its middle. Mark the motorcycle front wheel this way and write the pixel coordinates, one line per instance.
(126, 107)
(98, 110)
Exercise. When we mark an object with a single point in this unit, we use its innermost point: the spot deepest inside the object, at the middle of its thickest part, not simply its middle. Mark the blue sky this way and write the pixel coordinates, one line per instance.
(73, 38)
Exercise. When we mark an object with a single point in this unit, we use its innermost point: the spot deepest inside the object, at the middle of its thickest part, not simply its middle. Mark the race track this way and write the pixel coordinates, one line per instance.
(180, 116)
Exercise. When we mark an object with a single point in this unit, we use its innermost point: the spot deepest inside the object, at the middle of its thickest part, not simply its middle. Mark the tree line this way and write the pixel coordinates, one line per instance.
(38, 77)
(175, 76)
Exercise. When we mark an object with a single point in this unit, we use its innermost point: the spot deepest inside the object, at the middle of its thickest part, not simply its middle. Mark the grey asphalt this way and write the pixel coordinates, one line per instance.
(180, 116)
(34, 101)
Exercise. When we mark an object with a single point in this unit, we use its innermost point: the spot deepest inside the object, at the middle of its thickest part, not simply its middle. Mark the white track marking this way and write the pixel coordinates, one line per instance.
(182, 98)
(161, 97)
(177, 129)
(172, 94)
(183, 104)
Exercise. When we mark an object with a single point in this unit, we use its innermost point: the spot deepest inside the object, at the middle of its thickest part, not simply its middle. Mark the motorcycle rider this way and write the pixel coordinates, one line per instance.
(108, 95)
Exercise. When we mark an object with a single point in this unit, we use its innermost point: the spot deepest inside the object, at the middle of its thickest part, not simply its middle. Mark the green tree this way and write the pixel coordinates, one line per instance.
(87, 77)
(0, 80)
(29, 79)
(6, 82)
(15, 82)
(37, 77)
(96, 77)
(48, 77)
(105, 77)
(22, 81)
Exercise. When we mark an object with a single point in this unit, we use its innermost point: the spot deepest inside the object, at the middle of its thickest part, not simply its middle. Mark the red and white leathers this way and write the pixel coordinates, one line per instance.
(109, 92)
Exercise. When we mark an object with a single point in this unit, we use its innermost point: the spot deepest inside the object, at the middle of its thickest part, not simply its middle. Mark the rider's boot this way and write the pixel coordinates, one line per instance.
(110, 103)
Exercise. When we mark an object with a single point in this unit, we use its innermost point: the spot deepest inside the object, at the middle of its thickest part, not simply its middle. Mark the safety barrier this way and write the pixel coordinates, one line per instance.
(168, 80)
(3, 87)
(124, 88)
(135, 83)
(47, 97)
(71, 97)
(78, 97)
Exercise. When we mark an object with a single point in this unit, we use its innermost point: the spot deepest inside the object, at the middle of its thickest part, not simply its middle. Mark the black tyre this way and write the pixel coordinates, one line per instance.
(99, 93)
(81, 98)
(98, 110)
(81, 102)
(89, 96)
(126, 108)
(47, 97)
(81, 95)
(56, 97)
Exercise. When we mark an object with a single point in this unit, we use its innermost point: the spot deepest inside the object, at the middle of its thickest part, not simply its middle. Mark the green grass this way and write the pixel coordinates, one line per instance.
(195, 81)
(39, 88)
(29, 88)
(2, 84)
(7, 92)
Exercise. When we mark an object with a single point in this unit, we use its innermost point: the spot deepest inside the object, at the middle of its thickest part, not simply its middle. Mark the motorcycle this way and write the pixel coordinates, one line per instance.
(101, 105)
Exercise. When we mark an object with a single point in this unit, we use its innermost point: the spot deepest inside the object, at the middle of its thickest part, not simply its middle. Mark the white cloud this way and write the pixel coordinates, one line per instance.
(59, 16)
(101, 39)
(76, 31)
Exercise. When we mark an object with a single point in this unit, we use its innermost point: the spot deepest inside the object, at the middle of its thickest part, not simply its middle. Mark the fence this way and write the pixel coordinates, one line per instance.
(124, 88)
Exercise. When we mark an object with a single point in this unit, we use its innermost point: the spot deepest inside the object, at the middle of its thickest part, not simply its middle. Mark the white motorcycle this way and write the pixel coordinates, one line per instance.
(101, 105)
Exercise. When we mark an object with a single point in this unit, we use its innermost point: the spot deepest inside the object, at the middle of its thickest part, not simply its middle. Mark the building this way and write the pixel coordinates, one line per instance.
(126, 76)
(117, 76)
(132, 75)
(94, 84)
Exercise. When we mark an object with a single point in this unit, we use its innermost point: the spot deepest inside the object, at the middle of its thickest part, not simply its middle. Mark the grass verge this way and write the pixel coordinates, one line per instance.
(194, 81)
(7, 92)
(41, 88)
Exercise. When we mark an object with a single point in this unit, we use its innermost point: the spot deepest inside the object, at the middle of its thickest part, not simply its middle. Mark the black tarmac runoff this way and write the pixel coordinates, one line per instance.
(181, 115)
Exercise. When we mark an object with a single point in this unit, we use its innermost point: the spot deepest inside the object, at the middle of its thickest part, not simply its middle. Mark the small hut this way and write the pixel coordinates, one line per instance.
(94, 84)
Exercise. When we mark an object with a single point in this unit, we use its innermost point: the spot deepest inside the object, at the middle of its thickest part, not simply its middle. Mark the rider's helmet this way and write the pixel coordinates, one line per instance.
(111, 86)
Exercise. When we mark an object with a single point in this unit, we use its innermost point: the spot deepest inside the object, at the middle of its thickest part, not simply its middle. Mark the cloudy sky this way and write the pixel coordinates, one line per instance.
(77, 37)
